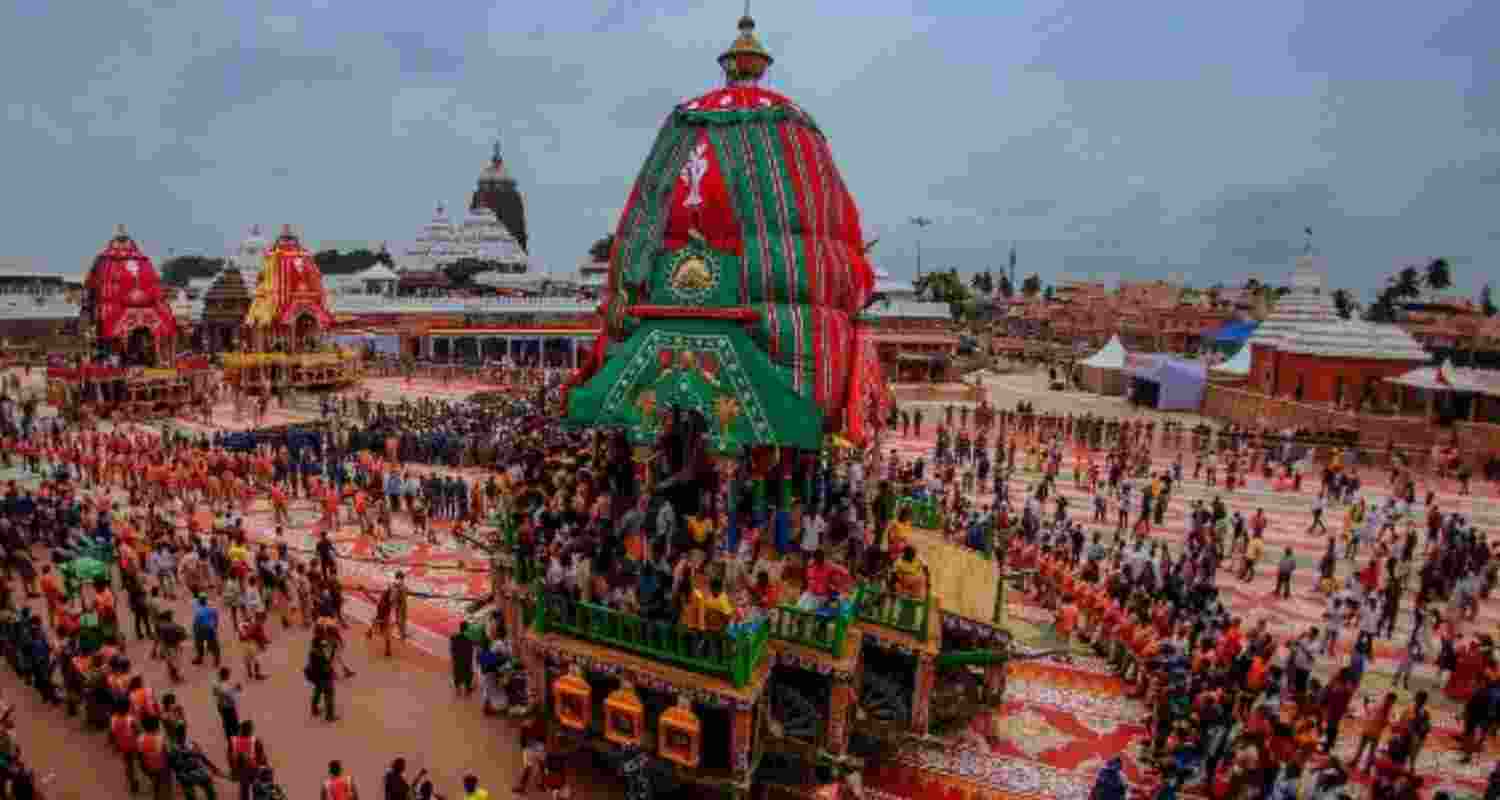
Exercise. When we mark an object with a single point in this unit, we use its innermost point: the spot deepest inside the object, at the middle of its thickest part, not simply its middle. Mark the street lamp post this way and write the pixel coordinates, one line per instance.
(921, 223)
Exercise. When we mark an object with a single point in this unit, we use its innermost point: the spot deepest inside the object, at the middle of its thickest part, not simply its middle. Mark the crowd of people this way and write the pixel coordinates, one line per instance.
(677, 538)
(1222, 690)
(119, 526)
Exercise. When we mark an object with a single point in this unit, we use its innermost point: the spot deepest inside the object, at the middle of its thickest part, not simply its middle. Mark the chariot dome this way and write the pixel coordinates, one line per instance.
(736, 279)
(125, 304)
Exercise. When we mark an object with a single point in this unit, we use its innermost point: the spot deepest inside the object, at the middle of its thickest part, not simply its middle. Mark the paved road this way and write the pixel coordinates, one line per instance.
(403, 707)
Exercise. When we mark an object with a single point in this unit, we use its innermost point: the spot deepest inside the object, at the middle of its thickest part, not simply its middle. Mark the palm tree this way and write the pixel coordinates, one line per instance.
(1439, 275)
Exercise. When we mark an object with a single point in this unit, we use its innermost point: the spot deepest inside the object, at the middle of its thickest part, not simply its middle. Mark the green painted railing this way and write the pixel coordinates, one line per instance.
(925, 513)
(731, 657)
(811, 629)
(894, 610)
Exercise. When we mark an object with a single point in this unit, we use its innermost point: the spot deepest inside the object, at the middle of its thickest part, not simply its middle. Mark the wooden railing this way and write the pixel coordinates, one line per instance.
(820, 631)
(731, 656)
(894, 610)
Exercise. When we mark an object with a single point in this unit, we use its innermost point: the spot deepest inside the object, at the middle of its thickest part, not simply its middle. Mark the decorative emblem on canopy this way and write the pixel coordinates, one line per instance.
(694, 274)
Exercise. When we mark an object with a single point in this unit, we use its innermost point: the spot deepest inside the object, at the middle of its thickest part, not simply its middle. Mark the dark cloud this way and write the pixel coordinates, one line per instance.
(1029, 207)
(1260, 227)
(646, 110)
(181, 159)
(241, 74)
(616, 16)
(418, 57)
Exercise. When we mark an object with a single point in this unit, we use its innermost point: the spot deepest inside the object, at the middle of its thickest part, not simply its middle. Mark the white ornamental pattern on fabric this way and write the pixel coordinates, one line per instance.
(693, 172)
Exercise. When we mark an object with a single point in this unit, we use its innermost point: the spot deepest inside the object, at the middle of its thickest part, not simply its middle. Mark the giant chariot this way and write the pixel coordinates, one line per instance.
(734, 342)
(128, 366)
(283, 340)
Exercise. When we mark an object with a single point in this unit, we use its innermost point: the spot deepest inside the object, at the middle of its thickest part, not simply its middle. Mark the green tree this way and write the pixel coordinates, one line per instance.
(1408, 284)
(599, 250)
(1032, 285)
(326, 260)
(462, 271)
(942, 287)
(1486, 301)
(177, 271)
(1343, 303)
(1438, 275)
(1047, 294)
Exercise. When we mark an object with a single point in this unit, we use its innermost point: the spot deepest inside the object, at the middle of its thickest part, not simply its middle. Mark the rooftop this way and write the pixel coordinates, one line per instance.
(1305, 321)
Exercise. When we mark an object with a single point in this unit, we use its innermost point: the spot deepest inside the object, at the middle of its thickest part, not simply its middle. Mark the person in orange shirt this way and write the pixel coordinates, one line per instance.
(104, 606)
(330, 501)
(1306, 738)
(142, 699)
(52, 590)
(278, 505)
(1065, 623)
(362, 511)
(1375, 726)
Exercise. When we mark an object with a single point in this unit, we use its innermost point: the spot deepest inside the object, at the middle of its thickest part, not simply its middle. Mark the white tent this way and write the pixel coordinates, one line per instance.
(1236, 367)
(1102, 372)
(1110, 356)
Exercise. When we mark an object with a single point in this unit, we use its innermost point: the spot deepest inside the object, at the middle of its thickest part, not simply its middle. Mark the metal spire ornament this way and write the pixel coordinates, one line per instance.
(746, 61)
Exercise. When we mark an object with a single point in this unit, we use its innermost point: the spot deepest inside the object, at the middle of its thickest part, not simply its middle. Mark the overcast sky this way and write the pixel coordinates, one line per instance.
(1136, 139)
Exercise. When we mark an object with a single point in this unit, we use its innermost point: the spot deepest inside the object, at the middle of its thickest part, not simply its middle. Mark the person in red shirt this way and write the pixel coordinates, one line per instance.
(151, 749)
(253, 634)
(246, 757)
(767, 594)
(338, 786)
(817, 580)
(122, 732)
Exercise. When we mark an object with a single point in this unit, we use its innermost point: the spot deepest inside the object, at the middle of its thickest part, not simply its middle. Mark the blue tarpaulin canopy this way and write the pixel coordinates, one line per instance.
(1234, 333)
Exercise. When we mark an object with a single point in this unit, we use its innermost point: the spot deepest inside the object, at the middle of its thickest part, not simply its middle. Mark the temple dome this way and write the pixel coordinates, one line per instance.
(495, 171)
(496, 193)
(740, 213)
(124, 293)
(290, 286)
(248, 256)
(1305, 321)
(479, 236)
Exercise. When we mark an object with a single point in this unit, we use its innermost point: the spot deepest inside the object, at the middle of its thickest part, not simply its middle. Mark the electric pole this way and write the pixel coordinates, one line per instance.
(921, 223)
